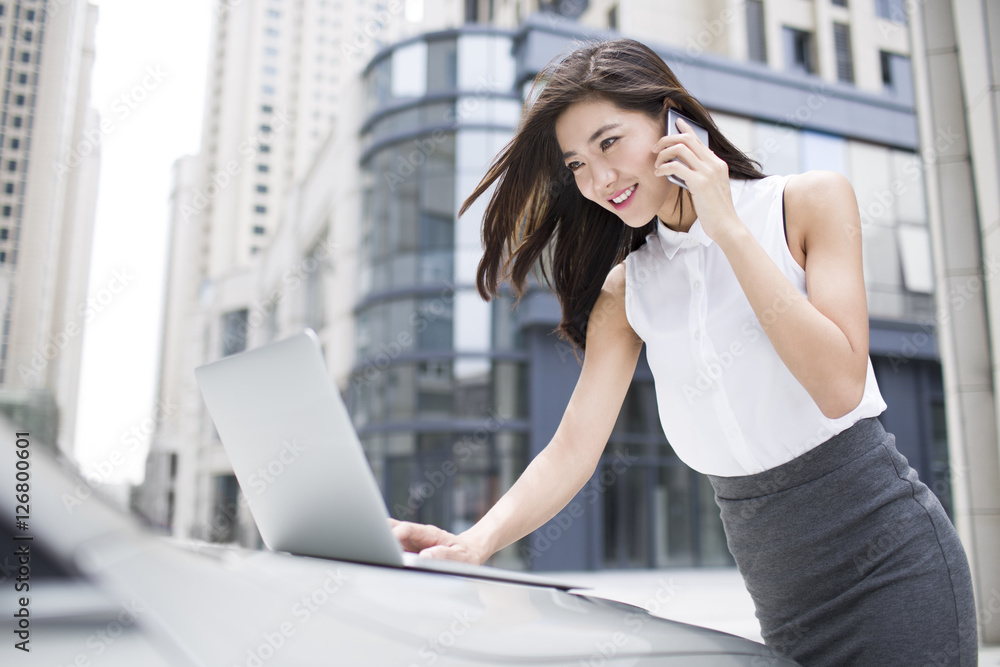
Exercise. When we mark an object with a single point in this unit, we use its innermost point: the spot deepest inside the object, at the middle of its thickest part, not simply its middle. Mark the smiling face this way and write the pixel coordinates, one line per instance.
(609, 151)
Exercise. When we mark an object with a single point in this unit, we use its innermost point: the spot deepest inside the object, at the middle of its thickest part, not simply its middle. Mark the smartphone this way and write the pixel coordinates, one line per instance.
(672, 128)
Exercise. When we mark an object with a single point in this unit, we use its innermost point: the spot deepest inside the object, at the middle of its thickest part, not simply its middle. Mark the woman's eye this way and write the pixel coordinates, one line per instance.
(573, 166)
(606, 144)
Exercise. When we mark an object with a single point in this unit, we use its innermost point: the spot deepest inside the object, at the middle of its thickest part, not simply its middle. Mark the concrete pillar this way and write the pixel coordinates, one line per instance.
(957, 108)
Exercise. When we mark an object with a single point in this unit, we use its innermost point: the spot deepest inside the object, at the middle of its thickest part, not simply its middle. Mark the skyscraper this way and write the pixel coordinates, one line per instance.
(49, 160)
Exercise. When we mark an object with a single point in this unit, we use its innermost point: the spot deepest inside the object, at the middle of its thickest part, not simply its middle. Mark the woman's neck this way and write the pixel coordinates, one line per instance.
(676, 222)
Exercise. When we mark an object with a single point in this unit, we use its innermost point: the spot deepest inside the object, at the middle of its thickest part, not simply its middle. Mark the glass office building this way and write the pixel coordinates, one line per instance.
(440, 385)
(452, 396)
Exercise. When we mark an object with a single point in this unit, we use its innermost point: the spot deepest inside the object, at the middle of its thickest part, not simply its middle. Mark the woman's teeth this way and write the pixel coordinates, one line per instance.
(623, 196)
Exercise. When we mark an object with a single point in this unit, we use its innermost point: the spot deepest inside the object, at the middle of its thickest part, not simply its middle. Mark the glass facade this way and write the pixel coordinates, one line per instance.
(439, 386)
(656, 512)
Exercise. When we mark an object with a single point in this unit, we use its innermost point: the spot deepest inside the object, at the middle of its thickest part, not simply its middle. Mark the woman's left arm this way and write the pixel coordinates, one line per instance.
(822, 339)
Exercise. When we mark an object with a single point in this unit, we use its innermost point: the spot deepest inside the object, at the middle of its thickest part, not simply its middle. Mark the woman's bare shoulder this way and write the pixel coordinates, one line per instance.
(819, 194)
(615, 281)
(609, 311)
(819, 204)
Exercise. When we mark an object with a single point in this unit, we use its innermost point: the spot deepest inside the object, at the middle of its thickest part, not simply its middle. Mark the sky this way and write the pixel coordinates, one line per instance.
(148, 80)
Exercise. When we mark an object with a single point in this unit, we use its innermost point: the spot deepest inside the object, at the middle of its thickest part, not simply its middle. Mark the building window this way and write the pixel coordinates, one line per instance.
(7, 210)
(22, 78)
(15, 143)
(885, 60)
(19, 100)
(891, 10)
(260, 209)
(12, 165)
(3, 257)
(258, 229)
(4, 233)
(26, 35)
(798, 50)
(756, 45)
(30, 15)
(613, 17)
(264, 148)
(442, 67)
(896, 75)
(25, 57)
(839, 3)
(223, 526)
(17, 121)
(266, 129)
(263, 168)
(262, 189)
(267, 108)
(8, 188)
(914, 243)
(234, 331)
(267, 90)
(842, 48)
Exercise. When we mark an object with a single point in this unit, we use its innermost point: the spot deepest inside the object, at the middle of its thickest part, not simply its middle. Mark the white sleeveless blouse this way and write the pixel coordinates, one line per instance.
(727, 403)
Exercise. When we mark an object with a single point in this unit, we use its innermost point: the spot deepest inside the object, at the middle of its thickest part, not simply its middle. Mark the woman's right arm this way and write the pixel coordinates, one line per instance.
(567, 462)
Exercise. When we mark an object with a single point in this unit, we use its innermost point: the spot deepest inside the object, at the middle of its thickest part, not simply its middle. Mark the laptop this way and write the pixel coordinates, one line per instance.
(300, 465)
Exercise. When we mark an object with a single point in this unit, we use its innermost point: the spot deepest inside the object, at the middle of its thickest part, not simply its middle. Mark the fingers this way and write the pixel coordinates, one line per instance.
(672, 155)
(686, 137)
(433, 542)
(673, 168)
(684, 156)
(451, 552)
(417, 536)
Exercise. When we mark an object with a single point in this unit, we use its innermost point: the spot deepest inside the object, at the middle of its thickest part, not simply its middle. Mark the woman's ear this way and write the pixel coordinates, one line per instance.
(667, 104)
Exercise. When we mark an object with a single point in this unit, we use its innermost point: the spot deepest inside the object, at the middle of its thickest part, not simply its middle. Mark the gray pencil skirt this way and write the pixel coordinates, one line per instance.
(850, 559)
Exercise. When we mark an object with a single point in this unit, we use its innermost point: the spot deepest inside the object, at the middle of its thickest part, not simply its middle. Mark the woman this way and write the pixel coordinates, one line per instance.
(849, 558)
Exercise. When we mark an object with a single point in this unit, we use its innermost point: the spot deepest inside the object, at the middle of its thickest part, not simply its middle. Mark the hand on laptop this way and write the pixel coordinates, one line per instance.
(431, 541)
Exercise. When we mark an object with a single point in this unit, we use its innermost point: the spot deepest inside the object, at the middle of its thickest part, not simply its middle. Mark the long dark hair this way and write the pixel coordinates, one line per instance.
(536, 199)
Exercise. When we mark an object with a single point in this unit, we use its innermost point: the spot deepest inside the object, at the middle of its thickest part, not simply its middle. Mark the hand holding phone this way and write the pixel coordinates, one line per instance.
(672, 128)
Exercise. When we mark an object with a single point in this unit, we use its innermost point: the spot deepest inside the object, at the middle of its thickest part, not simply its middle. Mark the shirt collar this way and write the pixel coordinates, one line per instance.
(672, 241)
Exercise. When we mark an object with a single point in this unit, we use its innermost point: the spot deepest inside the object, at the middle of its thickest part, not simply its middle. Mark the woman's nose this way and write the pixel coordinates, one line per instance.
(607, 180)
